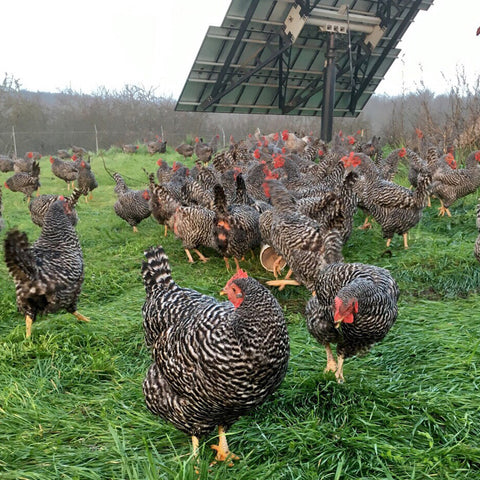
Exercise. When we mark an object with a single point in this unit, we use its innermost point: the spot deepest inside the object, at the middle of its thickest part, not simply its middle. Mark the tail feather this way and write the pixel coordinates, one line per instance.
(156, 271)
(18, 257)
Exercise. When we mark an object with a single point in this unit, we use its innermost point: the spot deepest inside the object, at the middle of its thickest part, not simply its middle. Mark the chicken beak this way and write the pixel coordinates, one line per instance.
(223, 292)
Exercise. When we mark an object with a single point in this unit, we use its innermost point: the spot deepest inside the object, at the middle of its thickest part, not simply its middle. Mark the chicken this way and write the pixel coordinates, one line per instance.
(63, 154)
(164, 171)
(304, 244)
(86, 180)
(476, 249)
(132, 205)
(213, 361)
(49, 274)
(203, 151)
(79, 151)
(129, 148)
(40, 205)
(396, 208)
(25, 164)
(25, 182)
(66, 170)
(236, 228)
(157, 146)
(354, 307)
(6, 164)
(389, 165)
(194, 226)
(450, 185)
(185, 150)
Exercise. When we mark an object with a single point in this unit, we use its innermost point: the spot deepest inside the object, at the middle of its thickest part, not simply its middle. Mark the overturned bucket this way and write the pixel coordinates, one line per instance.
(268, 256)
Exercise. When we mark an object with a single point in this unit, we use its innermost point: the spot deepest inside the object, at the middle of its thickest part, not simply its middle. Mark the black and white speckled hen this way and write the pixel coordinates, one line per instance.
(213, 361)
(194, 226)
(448, 185)
(40, 205)
(25, 182)
(236, 228)
(354, 307)
(132, 205)
(86, 180)
(48, 274)
(66, 170)
(396, 208)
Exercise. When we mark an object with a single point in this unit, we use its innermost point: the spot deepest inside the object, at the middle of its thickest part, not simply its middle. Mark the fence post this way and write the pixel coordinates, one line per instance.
(96, 137)
(14, 141)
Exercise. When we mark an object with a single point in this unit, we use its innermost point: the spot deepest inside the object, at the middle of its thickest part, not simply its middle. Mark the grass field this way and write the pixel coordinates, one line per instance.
(71, 404)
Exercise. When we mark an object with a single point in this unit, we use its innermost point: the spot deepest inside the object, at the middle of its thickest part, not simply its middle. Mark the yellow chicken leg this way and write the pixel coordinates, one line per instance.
(79, 316)
(28, 325)
(223, 452)
(331, 363)
(339, 371)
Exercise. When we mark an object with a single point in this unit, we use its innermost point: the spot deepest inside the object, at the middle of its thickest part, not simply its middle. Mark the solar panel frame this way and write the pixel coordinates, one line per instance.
(250, 64)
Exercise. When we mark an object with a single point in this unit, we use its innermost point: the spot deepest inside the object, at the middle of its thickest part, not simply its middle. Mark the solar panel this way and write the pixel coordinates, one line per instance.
(276, 56)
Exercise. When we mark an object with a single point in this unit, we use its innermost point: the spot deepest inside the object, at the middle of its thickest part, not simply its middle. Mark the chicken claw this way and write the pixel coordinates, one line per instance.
(223, 452)
(81, 317)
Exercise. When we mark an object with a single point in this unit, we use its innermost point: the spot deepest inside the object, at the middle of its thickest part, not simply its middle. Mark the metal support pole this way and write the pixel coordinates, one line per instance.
(330, 74)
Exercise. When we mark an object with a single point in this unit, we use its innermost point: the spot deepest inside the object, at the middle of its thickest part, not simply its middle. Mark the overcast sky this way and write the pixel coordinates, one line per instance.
(52, 45)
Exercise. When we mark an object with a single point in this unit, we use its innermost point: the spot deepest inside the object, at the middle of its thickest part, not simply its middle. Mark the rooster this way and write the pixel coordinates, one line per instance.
(354, 307)
(213, 361)
(49, 274)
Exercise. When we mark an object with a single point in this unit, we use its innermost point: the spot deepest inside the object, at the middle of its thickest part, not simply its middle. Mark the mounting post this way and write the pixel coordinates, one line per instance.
(328, 105)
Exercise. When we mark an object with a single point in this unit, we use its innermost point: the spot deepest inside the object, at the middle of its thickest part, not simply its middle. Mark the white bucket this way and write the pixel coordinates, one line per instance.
(268, 256)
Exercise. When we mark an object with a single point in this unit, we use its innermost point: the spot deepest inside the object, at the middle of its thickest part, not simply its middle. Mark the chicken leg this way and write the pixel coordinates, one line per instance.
(223, 452)
(28, 326)
(81, 317)
(339, 371)
(331, 363)
(442, 210)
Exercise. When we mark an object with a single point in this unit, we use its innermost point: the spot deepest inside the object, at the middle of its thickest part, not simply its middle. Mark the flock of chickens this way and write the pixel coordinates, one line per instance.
(215, 361)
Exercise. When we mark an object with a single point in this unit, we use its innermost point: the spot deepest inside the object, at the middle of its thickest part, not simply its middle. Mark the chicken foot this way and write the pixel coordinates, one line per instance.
(28, 326)
(442, 210)
(81, 317)
(223, 452)
(331, 363)
(339, 371)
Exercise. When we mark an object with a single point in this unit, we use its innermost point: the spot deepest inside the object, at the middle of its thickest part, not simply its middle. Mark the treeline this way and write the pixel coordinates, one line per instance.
(45, 122)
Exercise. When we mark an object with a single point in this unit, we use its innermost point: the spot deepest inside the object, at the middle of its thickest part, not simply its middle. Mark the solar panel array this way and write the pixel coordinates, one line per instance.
(268, 56)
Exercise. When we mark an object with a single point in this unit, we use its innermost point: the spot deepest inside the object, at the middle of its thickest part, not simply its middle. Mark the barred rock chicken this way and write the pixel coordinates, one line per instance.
(203, 151)
(131, 205)
(157, 146)
(6, 164)
(236, 228)
(304, 244)
(450, 185)
(129, 148)
(24, 164)
(66, 170)
(354, 307)
(40, 205)
(79, 151)
(185, 150)
(86, 180)
(25, 182)
(162, 204)
(396, 208)
(213, 362)
(48, 275)
(194, 226)
(476, 250)
(63, 154)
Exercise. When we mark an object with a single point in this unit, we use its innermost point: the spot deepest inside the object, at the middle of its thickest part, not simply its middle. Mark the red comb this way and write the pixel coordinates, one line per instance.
(402, 152)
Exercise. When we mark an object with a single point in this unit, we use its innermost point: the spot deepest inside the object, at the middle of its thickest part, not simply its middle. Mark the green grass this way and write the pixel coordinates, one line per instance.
(71, 405)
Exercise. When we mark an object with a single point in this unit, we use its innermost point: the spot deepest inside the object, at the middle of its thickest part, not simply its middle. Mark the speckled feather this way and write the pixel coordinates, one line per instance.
(377, 294)
(212, 362)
